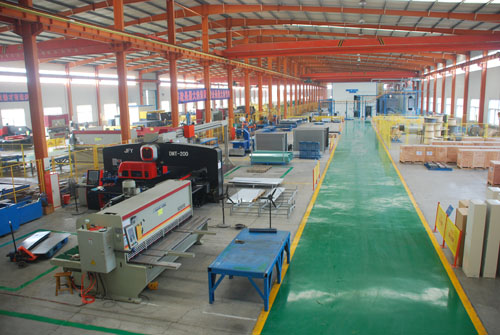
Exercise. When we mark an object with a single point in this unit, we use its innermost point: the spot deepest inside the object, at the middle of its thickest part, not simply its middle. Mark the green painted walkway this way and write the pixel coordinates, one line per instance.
(365, 264)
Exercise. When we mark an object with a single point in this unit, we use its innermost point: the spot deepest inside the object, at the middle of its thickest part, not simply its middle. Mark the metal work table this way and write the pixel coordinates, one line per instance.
(251, 255)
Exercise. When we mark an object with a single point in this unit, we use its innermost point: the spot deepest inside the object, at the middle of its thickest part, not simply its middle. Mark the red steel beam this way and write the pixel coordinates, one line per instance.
(236, 9)
(368, 45)
(235, 22)
(57, 49)
(374, 74)
(468, 63)
(75, 28)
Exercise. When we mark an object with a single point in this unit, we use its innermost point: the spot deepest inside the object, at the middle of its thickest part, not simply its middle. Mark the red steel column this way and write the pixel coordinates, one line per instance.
(278, 87)
(422, 85)
(443, 90)
(285, 93)
(482, 95)
(121, 69)
(247, 94)
(172, 65)
(453, 87)
(206, 68)
(158, 96)
(466, 91)
(69, 95)
(270, 88)
(98, 96)
(434, 93)
(230, 103)
(29, 31)
(259, 81)
(296, 99)
(428, 94)
(141, 89)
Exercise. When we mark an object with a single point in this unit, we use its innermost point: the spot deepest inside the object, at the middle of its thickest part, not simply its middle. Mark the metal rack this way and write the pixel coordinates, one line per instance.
(285, 204)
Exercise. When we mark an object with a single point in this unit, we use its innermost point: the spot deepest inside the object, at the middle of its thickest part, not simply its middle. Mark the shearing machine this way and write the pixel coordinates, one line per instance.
(123, 248)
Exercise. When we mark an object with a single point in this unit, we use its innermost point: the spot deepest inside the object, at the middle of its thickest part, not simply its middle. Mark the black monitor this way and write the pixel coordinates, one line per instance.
(93, 177)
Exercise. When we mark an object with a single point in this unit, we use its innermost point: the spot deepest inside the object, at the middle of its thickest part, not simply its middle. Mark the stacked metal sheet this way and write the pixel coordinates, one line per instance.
(276, 141)
(311, 134)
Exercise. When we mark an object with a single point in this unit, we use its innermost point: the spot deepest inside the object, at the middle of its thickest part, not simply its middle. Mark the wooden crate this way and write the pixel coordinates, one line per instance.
(406, 153)
(465, 158)
(476, 158)
(494, 173)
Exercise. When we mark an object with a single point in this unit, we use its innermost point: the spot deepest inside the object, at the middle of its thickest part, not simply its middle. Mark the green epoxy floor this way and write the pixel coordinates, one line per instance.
(365, 264)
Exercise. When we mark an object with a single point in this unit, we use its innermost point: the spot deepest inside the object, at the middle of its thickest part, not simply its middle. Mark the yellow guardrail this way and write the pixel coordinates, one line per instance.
(388, 128)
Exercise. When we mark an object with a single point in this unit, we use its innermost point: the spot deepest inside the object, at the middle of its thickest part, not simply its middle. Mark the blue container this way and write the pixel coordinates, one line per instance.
(8, 212)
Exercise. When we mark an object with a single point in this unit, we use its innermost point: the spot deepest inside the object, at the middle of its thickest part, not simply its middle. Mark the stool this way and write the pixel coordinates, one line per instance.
(68, 284)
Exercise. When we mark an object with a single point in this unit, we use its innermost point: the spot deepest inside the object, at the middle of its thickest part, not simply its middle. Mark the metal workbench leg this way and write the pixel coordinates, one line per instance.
(211, 280)
(267, 286)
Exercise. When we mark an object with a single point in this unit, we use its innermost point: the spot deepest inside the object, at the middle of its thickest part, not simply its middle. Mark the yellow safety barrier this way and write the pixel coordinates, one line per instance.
(452, 236)
(316, 174)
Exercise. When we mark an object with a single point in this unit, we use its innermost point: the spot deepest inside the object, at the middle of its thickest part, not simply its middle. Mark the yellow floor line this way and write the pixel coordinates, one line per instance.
(261, 321)
(453, 277)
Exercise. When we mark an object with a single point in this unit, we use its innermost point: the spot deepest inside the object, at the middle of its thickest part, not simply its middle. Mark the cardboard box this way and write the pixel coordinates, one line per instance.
(494, 173)
(463, 204)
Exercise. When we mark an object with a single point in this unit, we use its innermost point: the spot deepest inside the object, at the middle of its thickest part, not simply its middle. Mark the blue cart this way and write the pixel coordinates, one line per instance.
(254, 255)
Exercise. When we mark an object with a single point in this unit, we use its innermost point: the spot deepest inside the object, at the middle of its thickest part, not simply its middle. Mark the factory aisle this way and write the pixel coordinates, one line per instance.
(365, 264)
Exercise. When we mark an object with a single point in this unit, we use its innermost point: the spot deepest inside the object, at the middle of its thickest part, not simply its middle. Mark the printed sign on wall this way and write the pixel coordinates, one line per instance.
(200, 94)
(13, 96)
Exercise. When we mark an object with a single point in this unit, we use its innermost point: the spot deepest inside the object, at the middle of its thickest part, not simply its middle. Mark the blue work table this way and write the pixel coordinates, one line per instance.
(251, 255)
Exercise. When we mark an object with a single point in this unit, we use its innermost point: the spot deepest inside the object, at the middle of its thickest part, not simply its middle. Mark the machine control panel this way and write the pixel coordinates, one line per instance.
(96, 250)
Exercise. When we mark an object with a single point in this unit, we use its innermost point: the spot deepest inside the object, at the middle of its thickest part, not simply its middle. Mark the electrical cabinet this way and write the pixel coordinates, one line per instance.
(96, 250)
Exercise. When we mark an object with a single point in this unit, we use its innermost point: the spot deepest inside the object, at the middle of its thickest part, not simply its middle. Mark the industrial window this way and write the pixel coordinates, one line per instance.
(52, 111)
(133, 111)
(448, 106)
(424, 107)
(84, 113)
(438, 105)
(459, 112)
(493, 112)
(474, 110)
(165, 105)
(13, 117)
(431, 105)
(110, 111)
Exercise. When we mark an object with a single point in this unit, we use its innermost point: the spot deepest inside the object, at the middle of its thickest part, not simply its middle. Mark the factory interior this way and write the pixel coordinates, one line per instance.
(249, 167)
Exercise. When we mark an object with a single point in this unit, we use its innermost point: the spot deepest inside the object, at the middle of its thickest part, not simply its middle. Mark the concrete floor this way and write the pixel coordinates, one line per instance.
(448, 187)
(179, 306)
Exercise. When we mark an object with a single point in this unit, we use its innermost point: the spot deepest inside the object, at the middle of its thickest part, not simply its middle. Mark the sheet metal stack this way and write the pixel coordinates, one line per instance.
(311, 134)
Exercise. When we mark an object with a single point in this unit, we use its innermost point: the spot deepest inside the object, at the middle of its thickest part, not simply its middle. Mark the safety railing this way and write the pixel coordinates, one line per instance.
(20, 179)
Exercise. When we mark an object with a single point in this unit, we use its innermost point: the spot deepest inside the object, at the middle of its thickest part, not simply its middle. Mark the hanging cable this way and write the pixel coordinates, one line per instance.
(86, 298)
